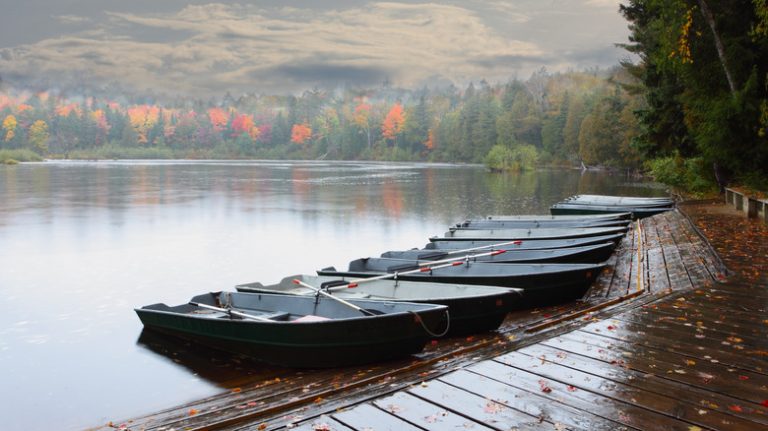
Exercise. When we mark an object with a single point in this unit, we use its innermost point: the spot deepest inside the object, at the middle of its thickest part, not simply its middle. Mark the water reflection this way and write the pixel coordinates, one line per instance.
(82, 244)
(223, 369)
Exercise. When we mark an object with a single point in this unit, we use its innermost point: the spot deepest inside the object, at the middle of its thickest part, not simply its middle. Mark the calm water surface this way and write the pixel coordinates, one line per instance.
(83, 244)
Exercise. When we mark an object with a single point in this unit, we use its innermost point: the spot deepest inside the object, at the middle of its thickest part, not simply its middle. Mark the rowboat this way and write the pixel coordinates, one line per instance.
(637, 212)
(300, 331)
(542, 284)
(584, 254)
(593, 217)
(523, 234)
(437, 243)
(473, 308)
(599, 204)
(536, 224)
(631, 201)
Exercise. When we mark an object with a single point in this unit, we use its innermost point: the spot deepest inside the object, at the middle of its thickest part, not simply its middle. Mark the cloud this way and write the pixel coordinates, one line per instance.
(614, 4)
(206, 48)
(72, 19)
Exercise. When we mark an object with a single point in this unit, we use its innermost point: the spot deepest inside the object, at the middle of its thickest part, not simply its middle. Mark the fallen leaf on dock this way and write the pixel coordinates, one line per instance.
(492, 407)
(544, 387)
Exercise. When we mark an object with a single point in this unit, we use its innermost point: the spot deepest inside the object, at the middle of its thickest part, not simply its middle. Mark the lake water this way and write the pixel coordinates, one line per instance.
(84, 243)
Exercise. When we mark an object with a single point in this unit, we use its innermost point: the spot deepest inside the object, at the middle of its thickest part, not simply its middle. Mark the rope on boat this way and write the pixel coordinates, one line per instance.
(427, 330)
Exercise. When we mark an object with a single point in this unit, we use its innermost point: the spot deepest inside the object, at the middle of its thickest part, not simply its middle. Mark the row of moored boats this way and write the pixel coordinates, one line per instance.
(390, 306)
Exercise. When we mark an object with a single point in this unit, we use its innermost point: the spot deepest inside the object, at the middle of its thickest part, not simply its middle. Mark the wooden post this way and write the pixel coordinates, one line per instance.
(752, 207)
(739, 202)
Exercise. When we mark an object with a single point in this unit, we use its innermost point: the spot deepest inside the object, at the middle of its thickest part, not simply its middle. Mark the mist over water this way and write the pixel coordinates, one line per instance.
(84, 243)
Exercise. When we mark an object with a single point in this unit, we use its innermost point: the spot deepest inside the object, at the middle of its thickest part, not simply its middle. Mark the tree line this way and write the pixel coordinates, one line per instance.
(575, 118)
(704, 69)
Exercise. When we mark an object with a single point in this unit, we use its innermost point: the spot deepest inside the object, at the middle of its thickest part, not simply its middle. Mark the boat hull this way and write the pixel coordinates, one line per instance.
(637, 213)
(529, 244)
(536, 224)
(529, 234)
(472, 308)
(542, 284)
(346, 338)
(584, 254)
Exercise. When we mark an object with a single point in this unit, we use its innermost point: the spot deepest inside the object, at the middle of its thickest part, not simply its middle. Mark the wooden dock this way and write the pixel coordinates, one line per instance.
(665, 340)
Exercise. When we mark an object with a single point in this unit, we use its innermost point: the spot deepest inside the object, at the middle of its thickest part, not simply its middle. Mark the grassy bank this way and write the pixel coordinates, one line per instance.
(11, 157)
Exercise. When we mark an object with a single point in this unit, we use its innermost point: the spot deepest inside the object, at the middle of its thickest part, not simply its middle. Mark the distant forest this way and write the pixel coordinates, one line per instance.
(691, 108)
(571, 118)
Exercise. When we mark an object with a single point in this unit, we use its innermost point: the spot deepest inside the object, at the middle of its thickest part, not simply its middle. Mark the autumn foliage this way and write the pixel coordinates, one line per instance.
(9, 127)
(300, 133)
(243, 124)
(393, 122)
(219, 119)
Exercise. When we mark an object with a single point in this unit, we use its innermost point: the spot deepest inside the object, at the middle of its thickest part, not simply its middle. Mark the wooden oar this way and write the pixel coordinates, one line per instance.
(232, 312)
(367, 312)
(355, 282)
(482, 247)
(467, 257)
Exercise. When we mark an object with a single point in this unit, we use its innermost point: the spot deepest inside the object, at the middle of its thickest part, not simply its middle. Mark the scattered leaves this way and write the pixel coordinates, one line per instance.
(544, 386)
(193, 412)
(492, 407)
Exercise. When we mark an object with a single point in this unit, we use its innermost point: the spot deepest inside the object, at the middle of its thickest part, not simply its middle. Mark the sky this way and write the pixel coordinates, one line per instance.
(206, 48)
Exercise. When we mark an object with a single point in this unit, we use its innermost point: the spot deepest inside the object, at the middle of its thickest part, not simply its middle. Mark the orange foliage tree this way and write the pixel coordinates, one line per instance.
(393, 122)
(430, 143)
(300, 133)
(219, 118)
(65, 110)
(243, 124)
(143, 118)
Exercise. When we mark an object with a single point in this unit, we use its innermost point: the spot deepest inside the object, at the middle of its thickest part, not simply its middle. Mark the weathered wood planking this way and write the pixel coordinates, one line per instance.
(656, 280)
(654, 375)
(601, 391)
(430, 416)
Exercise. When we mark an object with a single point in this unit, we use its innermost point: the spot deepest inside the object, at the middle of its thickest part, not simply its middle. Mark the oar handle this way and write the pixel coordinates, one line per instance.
(328, 295)
(232, 312)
